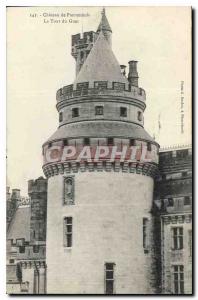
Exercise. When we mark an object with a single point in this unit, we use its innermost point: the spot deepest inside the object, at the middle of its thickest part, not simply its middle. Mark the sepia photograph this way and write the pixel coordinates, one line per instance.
(99, 150)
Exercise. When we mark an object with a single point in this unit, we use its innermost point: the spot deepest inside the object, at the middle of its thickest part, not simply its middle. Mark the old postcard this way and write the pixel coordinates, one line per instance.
(99, 169)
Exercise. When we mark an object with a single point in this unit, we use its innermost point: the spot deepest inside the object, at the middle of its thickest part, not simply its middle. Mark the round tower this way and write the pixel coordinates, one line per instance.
(99, 222)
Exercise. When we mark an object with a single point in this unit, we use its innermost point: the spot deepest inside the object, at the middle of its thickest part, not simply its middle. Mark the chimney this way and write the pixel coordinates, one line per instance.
(123, 69)
(133, 74)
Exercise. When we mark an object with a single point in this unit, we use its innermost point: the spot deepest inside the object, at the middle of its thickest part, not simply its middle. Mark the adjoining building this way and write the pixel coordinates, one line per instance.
(173, 206)
(26, 240)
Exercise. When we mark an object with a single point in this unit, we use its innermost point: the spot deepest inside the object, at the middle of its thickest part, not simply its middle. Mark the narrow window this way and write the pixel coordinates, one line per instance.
(139, 116)
(11, 261)
(68, 198)
(110, 141)
(75, 112)
(99, 110)
(149, 146)
(68, 232)
(187, 200)
(60, 117)
(145, 233)
(109, 278)
(178, 278)
(177, 238)
(123, 112)
(86, 141)
(170, 202)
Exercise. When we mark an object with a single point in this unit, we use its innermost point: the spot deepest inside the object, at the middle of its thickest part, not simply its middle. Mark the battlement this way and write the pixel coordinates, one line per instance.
(175, 157)
(81, 47)
(37, 186)
(174, 204)
(175, 147)
(85, 38)
(100, 88)
(21, 249)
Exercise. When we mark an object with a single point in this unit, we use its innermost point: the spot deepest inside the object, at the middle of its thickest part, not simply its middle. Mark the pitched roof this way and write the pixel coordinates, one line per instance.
(20, 224)
(104, 24)
(101, 64)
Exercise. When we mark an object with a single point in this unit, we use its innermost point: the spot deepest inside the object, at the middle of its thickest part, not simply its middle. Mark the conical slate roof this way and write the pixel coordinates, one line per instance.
(20, 224)
(97, 128)
(101, 64)
(104, 24)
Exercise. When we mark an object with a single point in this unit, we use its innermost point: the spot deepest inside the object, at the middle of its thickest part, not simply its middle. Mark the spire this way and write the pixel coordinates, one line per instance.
(105, 27)
(104, 24)
(101, 64)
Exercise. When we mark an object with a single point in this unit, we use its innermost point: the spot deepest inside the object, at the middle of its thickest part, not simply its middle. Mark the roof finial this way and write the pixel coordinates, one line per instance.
(104, 24)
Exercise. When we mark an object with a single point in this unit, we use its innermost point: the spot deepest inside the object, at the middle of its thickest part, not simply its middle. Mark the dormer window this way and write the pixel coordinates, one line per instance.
(99, 110)
(75, 112)
(123, 112)
(60, 117)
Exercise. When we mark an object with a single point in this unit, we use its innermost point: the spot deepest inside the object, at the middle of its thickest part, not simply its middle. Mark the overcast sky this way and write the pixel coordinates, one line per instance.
(39, 62)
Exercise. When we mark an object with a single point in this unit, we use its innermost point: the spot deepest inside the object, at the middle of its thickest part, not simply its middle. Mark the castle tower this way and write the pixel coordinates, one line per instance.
(81, 47)
(37, 190)
(99, 222)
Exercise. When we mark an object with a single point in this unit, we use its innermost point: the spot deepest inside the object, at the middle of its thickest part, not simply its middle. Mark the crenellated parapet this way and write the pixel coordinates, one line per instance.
(37, 264)
(100, 88)
(23, 250)
(37, 186)
(81, 46)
